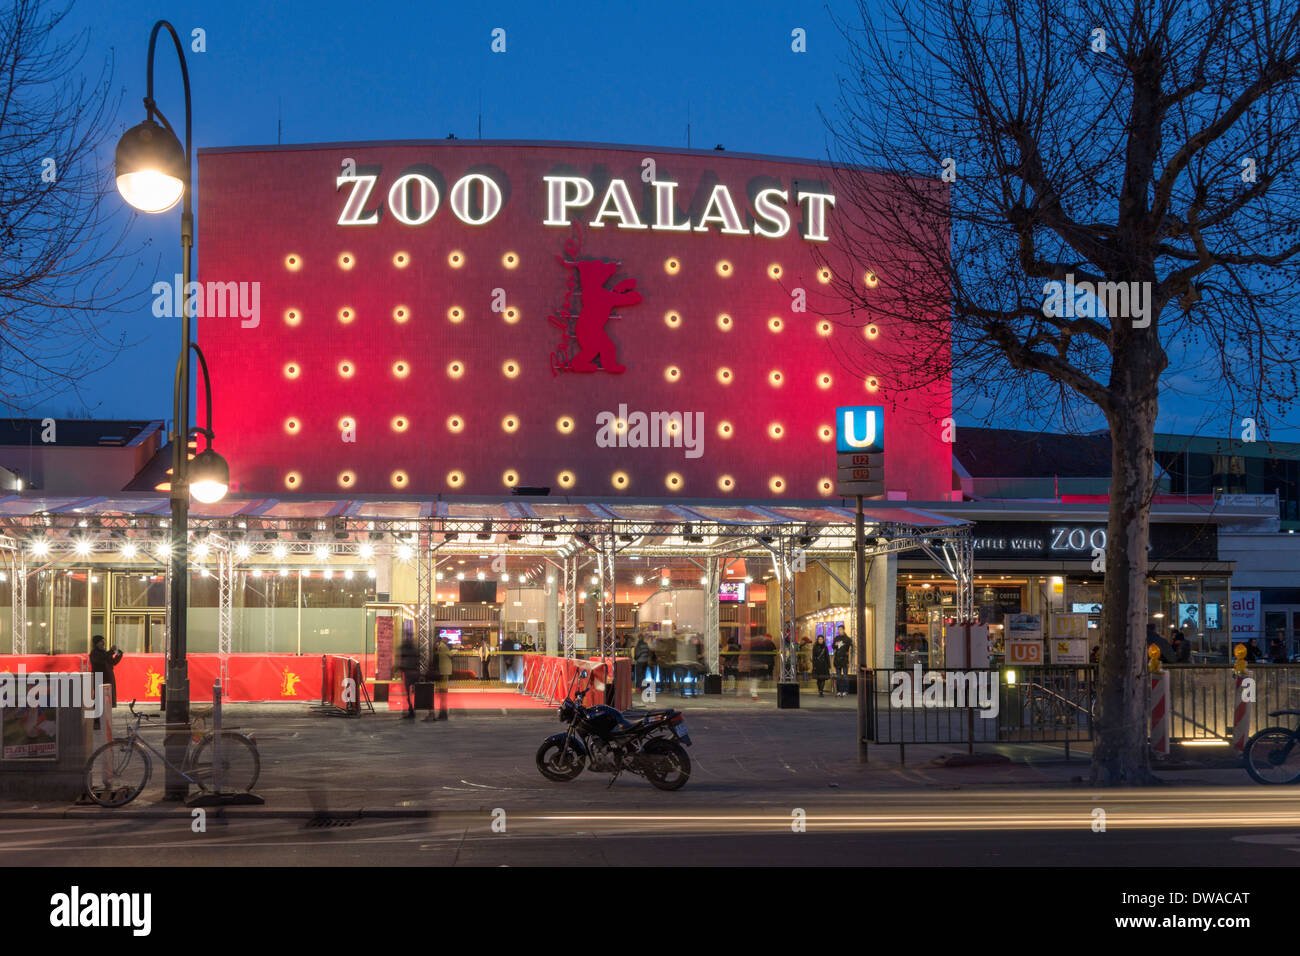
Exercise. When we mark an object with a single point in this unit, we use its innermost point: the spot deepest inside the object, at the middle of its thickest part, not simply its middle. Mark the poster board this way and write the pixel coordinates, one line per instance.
(1069, 643)
(29, 733)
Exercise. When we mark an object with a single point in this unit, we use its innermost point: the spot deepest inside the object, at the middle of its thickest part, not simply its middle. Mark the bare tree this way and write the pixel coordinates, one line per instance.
(63, 270)
(1040, 150)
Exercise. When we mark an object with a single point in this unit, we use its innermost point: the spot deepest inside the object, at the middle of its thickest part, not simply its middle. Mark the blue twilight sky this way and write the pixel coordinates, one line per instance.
(329, 71)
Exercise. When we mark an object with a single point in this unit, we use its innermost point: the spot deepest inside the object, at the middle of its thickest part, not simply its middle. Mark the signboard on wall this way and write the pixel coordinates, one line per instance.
(1076, 540)
(1246, 611)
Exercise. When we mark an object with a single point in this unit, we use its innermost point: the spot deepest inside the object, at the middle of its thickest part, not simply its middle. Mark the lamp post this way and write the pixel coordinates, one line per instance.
(153, 174)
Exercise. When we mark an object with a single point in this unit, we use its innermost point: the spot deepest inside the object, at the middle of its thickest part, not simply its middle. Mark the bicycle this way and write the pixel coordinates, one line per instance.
(118, 771)
(1272, 756)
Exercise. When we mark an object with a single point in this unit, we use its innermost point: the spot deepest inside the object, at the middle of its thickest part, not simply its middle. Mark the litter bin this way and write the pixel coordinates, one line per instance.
(787, 696)
(713, 683)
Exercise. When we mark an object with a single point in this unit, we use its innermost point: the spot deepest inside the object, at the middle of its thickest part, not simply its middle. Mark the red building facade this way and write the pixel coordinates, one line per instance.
(463, 318)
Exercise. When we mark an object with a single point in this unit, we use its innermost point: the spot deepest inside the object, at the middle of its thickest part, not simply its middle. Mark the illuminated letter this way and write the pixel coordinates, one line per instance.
(426, 199)
(360, 195)
(726, 215)
(622, 207)
(558, 199)
(460, 198)
(766, 209)
(666, 207)
(815, 215)
(851, 436)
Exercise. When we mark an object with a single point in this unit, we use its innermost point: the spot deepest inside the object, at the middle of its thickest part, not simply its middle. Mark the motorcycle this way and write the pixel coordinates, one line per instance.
(602, 738)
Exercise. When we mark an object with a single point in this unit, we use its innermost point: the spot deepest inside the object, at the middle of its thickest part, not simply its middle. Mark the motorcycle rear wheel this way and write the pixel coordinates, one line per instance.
(667, 765)
(558, 762)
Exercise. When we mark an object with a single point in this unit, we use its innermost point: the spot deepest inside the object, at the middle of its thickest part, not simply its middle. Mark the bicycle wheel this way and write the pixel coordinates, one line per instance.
(240, 763)
(117, 772)
(1273, 756)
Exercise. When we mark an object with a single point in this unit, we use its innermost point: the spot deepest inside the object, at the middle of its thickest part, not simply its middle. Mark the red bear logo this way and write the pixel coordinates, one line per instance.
(598, 304)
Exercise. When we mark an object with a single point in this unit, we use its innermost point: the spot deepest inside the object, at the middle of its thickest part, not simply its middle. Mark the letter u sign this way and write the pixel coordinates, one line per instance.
(860, 428)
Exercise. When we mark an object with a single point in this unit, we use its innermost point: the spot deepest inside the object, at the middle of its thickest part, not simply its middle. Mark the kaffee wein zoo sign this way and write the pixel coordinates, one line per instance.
(465, 318)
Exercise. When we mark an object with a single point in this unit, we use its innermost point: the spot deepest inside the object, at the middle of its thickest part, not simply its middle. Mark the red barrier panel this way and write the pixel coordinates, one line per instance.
(44, 663)
(251, 677)
(342, 679)
(552, 678)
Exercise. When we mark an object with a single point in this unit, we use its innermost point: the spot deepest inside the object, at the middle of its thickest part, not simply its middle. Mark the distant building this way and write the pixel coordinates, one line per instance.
(74, 456)
(1241, 569)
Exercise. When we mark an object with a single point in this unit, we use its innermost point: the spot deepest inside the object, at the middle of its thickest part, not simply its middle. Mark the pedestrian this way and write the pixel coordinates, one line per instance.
(821, 665)
(1181, 647)
(641, 656)
(408, 665)
(1252, 651)
(484, 655)
(1095, 656)
(805, 658)
(102, 662)
(1166, 651)
(1277, 651)
(840, 651)
(440, 669)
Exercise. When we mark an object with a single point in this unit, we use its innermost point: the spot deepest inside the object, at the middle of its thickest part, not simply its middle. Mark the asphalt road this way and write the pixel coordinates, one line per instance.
(1046, 829)
(768, 788)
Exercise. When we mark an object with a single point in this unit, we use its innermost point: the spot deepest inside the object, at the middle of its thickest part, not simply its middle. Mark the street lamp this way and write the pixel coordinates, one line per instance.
(154, 172)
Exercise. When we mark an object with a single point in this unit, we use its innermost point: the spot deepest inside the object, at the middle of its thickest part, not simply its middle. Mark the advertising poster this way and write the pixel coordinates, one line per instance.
(29, 732)
(384, 647)
(1245, 615)
(1069, 643)
(1024, 627)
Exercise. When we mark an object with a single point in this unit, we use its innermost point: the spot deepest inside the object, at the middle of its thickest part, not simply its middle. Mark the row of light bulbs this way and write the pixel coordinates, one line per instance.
(620, 480)
(457, 259)
(510, 368)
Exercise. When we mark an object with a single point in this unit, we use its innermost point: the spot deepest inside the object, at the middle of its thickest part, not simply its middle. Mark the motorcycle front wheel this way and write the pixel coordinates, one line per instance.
(666, 764)
(559, 762)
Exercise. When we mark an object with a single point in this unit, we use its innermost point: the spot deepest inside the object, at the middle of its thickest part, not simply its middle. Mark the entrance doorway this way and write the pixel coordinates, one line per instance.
(1283, 622)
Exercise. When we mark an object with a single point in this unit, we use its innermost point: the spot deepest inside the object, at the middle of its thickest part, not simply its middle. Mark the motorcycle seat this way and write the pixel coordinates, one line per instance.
(636, 715)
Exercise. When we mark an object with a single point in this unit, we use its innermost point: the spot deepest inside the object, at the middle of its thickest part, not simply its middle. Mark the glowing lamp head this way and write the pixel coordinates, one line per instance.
(151, 167)
(209, 477)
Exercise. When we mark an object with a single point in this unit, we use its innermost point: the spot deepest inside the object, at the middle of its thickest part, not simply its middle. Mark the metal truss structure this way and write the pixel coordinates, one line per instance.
(570, 631)
(253, 540)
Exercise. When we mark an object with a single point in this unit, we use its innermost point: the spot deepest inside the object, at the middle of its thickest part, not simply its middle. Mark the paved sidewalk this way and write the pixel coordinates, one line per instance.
(745, 752)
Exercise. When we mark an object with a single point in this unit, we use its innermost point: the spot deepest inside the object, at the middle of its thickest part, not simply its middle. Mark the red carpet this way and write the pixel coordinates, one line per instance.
(479, 700)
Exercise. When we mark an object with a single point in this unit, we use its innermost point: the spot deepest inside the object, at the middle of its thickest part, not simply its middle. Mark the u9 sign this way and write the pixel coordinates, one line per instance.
(458, 317)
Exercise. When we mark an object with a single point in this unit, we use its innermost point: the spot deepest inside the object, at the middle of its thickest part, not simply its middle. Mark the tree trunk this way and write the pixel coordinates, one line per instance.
(1121, 755)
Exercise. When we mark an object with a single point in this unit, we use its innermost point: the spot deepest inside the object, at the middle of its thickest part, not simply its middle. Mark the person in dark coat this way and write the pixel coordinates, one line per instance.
(1277, 651)
(641, 657)
(1252, 651)
(102, 662)
(1166, 651)
(840, 651)
(821, 665)
(408, 665)
(1182, 648)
